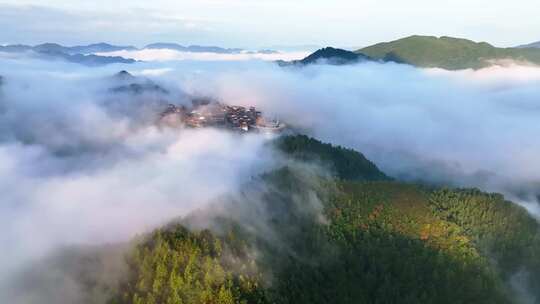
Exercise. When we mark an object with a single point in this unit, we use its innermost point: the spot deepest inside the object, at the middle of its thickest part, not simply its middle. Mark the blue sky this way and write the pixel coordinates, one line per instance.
(249, 23)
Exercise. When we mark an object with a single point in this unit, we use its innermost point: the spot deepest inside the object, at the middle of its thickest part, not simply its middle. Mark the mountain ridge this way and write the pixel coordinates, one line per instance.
(359, 238)
(103, 47)
(530, 45)
(193, 48)
(381, 242)
(77, 54)
(328, 55)
(446, 52)
(334, 56)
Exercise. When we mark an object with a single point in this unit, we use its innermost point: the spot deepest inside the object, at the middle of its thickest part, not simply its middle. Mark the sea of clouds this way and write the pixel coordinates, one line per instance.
(174, 55)
(80, 165)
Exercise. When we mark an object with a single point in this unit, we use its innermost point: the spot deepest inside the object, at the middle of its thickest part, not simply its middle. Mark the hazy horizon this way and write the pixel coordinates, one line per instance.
(240, 23)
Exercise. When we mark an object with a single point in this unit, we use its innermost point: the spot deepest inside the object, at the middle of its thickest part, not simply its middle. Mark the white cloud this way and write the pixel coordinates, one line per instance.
(75, 170)
(78, 166)
(171, 55)
(472, 128)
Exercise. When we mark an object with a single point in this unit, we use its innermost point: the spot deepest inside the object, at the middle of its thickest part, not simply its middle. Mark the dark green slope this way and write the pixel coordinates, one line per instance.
(344, 163)
(382, 244)
(364, 240)
(446, 52)
(328, 55)
(334, 56)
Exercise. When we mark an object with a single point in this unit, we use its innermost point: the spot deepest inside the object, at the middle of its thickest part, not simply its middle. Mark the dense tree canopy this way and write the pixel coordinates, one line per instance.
(371, 240)
(446, 52)
(345, 163)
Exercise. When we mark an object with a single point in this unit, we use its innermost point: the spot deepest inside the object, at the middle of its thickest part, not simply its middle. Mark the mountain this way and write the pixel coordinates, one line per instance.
(379, 241)
(76, 54)
(328, 55)
(100, 48)
(530, 45)
(88, 60)
(164, 45)
(54, 48)
(124, 76)
(71, 50)
(446, 52)
(193, 48)
(15, 48)
(51, 47)
(129, 84)
(95, 60)
(297, 235)
(334, 56)
(345, 163)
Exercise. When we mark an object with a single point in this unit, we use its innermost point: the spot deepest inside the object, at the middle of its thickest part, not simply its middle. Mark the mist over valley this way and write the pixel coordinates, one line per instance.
(404, 171)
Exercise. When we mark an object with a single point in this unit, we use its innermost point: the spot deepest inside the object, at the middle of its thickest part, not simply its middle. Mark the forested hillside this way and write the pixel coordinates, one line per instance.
(343, 163)
(358, 238)
(333, 56)
(446, 52)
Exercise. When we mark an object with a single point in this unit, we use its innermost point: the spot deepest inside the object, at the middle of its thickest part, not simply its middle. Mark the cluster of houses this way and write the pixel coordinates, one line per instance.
(241, 118)
(215, 114)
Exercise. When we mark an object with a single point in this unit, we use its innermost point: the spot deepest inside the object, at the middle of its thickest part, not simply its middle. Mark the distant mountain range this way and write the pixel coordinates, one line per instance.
(54, 47)
(88, 54)
(194, 48)
(426, 51)
(421, 51)
(446, 52)
(530, 45)
(81, 49)
(105, 48)
(88, 60)
(76, 54)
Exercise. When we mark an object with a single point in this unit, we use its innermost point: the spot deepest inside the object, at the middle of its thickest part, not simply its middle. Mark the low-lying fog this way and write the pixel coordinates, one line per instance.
(173, 55)
(82, 165)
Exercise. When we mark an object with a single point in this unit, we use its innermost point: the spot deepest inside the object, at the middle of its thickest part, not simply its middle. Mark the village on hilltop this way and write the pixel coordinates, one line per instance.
(215, 114)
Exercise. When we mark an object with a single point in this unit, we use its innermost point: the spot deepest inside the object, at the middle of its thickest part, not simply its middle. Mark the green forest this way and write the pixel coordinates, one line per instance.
(353, 237)
(446, 52)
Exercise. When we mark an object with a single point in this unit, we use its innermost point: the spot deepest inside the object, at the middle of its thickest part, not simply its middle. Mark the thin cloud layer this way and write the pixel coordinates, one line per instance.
(80, 164)
(465, 128)
(172, 55)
